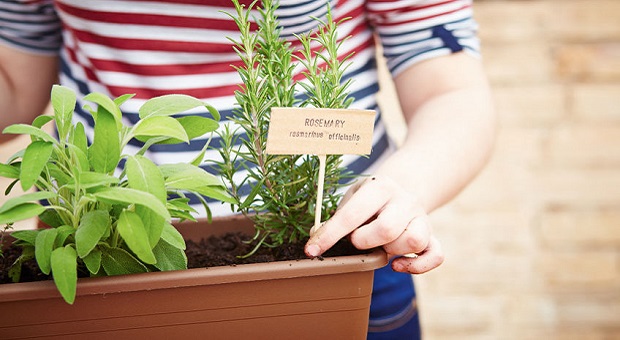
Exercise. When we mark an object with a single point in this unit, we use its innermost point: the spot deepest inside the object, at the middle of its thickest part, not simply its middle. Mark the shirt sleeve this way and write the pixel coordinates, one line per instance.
(30, 25)
(414, 30)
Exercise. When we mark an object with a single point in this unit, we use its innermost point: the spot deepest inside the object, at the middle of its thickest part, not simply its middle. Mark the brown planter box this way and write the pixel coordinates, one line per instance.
(280, 300)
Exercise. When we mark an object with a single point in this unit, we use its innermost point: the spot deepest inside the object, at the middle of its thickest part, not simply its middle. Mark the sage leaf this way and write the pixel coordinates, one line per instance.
(127, 196)
(93, 261)
(168, 105)
(188, 176)
(26, 236)
(169, 257)
(78, 137)
(143, 174)
(43, 247)
(216, 192)
(21, 212)
(60, 176)
(157, 126)
(80, 157)
(9, 171)
(106, 104)
(64, 231)
(131, 229)
(123, 98)
(63, 102)
(153, 223)
(64, 272)
(117, 261)
(91, 179)
(171, 235)
(213, 111)
(23, 129)
(41, 120)
(104, 153)
(93, 225)
(37, 154)
(194, 126)
(25, 198)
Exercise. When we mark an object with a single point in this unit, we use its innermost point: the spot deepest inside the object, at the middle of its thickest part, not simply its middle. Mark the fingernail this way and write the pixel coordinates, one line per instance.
(313, 250)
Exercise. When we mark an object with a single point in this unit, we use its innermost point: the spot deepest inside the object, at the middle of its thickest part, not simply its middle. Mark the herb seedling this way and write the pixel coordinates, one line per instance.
(104, 223)
(282, 189)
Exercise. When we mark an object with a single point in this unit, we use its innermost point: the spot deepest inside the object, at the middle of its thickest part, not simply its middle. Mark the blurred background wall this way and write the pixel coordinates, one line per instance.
(533, 245)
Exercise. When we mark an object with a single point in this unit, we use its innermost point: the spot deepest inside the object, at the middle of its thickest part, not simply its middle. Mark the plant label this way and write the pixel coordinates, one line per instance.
(296, 131)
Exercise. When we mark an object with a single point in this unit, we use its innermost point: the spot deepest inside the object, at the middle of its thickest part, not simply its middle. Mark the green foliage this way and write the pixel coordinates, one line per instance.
(103, 223)
(283, 187)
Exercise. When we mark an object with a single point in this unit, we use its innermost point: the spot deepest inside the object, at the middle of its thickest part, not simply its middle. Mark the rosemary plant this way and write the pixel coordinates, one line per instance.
(282, 188)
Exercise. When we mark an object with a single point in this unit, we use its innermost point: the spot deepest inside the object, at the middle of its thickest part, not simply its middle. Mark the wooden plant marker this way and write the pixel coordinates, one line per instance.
(321, 132)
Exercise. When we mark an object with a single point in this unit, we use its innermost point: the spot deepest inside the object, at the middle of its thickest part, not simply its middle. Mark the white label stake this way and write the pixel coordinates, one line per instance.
(319, 194)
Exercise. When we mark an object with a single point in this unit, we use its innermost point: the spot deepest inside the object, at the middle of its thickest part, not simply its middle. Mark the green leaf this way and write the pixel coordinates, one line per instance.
(104, 154)
(107, 104)
(64, 271)
(169, 257)
(51, 218)
(41, 120)
(21, 212)
(26, 236)
(10, 187)
(168, 105)
(179, 208)
(188, 176)
(36, 156)
(78, 137)
(129, 196)
(216, 192)
(93, 261)
(93, 225)
(79, 157)
(156, 126)
(213, 111)
(143, 174)
(9, 171)
(25, 198)
(91, 179)
(63, 101)
(171, 235)
(195, 126)
(44, 245)
(123, 98)
(117, 261)
(64, 231)
(153, 224)
(23, 129)
(60, 176)
(133, 233)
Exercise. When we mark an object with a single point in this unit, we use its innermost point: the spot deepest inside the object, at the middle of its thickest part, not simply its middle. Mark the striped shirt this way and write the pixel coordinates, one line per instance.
(151, 48)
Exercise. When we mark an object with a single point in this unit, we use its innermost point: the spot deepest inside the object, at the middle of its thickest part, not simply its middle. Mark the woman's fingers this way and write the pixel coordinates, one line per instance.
(377, 212)
(415, 238)
(429, 259)
(389, 225)
(364, 204)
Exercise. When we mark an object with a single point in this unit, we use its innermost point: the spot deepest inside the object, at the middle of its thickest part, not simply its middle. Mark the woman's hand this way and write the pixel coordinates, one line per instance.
(378, 212)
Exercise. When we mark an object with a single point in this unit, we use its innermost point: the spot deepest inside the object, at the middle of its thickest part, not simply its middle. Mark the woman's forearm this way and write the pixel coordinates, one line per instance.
(449, 139)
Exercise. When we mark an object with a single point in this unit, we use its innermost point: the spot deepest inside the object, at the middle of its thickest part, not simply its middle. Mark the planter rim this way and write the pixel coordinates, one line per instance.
(199, 276)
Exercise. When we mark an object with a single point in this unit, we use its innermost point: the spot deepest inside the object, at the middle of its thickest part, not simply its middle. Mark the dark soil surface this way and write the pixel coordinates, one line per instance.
(224, 250)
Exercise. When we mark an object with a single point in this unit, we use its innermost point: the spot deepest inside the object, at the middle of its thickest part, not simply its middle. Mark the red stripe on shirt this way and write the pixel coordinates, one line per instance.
(160, 20)
(150, 44)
